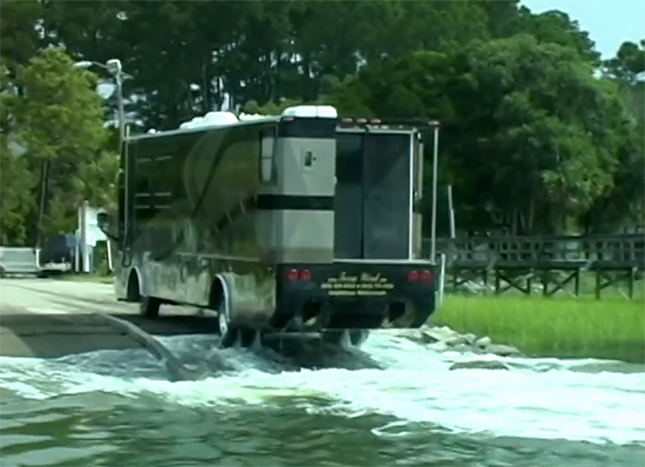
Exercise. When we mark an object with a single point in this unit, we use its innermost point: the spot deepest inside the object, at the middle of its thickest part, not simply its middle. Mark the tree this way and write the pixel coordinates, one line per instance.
(538, 133)
(627, 69)
(59, 119)
(16, 181)
(623, 204)
(628, 65)
(530, 138)
(556, 27)
(19, 37)
(504, 17)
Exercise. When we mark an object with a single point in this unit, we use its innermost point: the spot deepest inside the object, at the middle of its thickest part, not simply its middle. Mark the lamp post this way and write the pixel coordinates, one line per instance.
(113, 66)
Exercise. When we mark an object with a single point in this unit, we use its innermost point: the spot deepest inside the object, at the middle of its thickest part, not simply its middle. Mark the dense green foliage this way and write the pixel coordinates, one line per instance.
(539, 135)
(54, 147)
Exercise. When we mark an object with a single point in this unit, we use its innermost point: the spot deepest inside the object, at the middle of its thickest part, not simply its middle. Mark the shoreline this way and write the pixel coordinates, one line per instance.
(481, 353)
(551, 327)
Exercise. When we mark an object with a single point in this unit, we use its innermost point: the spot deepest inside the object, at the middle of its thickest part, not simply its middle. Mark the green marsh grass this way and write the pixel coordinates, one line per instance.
(610, 328)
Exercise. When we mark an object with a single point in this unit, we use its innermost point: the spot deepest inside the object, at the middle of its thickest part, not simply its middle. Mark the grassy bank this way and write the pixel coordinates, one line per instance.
(561, 327)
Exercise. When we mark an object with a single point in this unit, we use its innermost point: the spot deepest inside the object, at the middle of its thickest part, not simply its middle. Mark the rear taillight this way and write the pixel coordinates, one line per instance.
(426, 276)
(420, 276)
(298, 274)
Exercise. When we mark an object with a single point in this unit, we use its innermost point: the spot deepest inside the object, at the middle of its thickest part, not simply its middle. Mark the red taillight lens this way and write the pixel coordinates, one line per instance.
(298, 275)
(426, 276)
(413, 276)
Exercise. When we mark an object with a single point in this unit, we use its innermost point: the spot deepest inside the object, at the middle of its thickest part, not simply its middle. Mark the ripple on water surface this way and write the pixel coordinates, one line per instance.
(110, 408)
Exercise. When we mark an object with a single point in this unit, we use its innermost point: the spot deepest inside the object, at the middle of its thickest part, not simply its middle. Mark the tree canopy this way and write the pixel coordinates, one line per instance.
(539, 135)
(54, 147)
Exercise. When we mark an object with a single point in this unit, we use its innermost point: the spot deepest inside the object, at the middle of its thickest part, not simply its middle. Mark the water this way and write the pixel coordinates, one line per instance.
(395, 403)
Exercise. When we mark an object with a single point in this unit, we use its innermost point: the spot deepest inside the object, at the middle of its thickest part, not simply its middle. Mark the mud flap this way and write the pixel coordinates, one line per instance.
(345, 338)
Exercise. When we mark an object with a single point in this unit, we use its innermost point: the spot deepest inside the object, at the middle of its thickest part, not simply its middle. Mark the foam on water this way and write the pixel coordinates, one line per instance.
(537, 398)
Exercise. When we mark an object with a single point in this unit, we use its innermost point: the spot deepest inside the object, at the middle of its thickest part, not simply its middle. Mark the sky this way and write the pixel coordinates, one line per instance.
(609, 22)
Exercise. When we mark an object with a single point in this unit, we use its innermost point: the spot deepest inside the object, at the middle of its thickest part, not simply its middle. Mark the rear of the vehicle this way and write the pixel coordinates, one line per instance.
(57, 254)
(359, 294)
(377, 277)
(19, 261)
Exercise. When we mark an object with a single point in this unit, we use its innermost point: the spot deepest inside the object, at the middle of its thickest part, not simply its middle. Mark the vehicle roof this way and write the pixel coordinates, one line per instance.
(205, 128)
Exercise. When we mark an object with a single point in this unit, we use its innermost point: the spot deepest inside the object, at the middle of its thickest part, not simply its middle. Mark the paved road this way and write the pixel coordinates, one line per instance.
(49, 318)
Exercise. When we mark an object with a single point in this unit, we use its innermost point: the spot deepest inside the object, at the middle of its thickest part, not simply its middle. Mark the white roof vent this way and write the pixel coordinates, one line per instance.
(210, 119)
(311, 111)
(246, 117)
(220, 118)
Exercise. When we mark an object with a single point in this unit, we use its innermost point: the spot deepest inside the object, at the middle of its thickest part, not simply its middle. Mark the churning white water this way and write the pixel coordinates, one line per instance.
(589, 400)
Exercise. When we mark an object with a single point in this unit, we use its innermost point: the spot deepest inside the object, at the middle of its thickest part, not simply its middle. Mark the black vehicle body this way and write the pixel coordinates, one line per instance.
(293, 223)
(58, 249)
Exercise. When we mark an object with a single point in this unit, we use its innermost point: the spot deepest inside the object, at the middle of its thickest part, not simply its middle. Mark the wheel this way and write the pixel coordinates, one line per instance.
(232, 333)
(229, 332)
(346, 337)
(149, 307)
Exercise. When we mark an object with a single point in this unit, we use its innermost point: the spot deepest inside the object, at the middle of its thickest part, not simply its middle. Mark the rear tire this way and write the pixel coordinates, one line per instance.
(149, 307)
(229, 332)
(232, 333)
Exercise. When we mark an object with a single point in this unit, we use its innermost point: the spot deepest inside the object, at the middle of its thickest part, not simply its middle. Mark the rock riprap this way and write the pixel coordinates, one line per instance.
(479, 365)
(453, 340)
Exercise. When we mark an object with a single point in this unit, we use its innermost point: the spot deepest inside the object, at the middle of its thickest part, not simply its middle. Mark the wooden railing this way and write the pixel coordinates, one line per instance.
(605, 252)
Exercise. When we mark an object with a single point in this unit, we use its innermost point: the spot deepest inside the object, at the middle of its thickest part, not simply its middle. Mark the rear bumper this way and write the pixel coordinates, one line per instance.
(356, 295)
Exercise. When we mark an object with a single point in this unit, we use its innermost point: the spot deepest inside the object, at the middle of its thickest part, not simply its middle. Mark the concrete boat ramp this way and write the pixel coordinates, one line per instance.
(42, 318)
(48, 319)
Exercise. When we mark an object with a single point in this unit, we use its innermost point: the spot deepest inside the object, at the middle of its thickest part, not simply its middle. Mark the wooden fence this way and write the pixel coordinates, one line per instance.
(551, 263)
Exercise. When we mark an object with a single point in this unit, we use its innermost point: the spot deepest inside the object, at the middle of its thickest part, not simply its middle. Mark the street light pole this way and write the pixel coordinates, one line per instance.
(113, 66)
(121, 111)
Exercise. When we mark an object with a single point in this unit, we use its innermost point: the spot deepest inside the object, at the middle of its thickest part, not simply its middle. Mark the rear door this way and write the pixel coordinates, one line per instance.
(348, 215)
(387, 182)
(373, 194)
